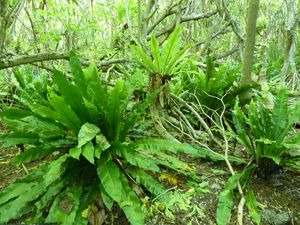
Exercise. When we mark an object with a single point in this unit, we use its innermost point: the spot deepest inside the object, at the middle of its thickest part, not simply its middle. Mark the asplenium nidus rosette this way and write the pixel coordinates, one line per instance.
(162, 64)
(268, 133)
(87, 125)
(165, 59)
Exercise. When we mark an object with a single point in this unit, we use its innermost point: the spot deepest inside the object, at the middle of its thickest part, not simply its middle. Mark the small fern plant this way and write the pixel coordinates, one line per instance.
(163, 62)
(268, 134)
(86, 125)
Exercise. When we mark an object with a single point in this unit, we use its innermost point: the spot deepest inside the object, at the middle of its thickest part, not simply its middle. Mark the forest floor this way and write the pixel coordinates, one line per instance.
(279, 196)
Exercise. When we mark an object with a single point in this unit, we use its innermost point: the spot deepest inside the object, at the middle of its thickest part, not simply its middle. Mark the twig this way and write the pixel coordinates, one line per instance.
(201, 120)
(25, 169)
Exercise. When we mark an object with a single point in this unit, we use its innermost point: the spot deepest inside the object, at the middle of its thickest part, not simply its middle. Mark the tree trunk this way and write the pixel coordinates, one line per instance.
(3, 22)
(289, 52)
(248, 54)
(161, 101)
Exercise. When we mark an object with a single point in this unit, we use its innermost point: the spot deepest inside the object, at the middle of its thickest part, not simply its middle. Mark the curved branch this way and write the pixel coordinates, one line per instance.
(228, 53)
(27, 59)
(167, 12)
(184, 18)
(225, 13)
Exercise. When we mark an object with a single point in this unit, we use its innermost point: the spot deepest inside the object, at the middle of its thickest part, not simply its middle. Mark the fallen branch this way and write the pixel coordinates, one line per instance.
(28, 59)
(13, 61)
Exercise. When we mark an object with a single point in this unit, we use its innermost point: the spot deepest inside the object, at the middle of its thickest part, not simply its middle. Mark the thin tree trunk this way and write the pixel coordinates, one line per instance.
(289, 52)
(248, 54)
(3, 22)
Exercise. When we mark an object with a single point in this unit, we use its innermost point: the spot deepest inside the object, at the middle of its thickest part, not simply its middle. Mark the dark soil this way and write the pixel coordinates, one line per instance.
(8, 172)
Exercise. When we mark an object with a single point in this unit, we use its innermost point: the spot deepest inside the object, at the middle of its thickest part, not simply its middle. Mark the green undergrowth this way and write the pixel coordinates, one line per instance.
(86, 126)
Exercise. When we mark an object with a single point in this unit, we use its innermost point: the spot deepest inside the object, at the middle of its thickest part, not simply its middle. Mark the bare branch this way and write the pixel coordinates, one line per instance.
(225, 13)
(41, 57)
(184, 18)
(167, 12)
(224, 30)
(225, 54)
(27, 59)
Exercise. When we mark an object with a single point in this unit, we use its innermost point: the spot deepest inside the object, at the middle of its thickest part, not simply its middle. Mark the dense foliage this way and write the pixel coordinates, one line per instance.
(159, 98)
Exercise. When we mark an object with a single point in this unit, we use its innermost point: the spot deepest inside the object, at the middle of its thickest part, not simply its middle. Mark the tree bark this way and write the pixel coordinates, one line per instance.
(8, 16)
(248, 54)
(41, 57)
(290, 33)
(3, 22)
(27, 59)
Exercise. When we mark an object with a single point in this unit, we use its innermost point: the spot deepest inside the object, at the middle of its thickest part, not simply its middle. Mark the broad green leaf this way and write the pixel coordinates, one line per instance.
(102, 141)
(115, 109)
(109, 175)
(32, 153)
(152, 185)
(15, 208)
(225, 206)
(72, 96)
(155, 52)
(52, 191)
(19, 77)
(140, 160)
(97, 92)
(86, 133)
(38, 125)
(14, 190)
(166, 145)
(144, 60)
(101, 146)
(55, 170)
(75, 152)
(292, 141)
(252, 206)
(65, 206)
(130, 203)
(65, 113)
(225, 203)
(174, 163)
(171, 48)
(279, 118)
(88, 152)
(16, 138)
(15, 113)
(77, 72)
(239, 123)
(107, 200)
(294, 113)
(171, 68)
(43, 111)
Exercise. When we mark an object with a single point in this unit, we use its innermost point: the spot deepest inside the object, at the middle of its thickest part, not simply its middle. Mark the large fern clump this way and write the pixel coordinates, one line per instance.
(86, 124)
(209, 84)
(268, 134)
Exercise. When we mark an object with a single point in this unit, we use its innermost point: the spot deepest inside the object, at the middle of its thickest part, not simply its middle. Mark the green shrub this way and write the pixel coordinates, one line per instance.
(267, 134)
(84, 126)
(212, 88)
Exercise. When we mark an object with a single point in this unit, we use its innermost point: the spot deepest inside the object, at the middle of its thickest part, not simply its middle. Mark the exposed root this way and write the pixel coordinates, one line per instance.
(201, 120)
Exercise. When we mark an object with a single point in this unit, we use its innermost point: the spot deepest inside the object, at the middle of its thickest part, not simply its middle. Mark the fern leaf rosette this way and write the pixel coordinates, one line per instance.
(265, 133)
(87, 125)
